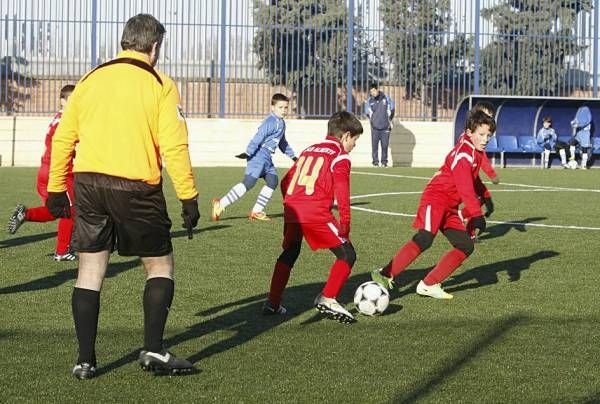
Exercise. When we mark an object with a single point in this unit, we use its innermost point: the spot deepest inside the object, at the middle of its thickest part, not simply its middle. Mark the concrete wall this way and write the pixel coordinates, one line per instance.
(214, 142)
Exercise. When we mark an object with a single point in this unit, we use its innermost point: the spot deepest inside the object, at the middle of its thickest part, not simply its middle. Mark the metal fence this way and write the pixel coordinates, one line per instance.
(229, 56)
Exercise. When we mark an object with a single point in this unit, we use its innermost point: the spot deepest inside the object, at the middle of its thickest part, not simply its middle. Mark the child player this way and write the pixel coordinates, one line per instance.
(488, 108)
(321, 174)
(42, 214)
(456, 182)
(270, 136)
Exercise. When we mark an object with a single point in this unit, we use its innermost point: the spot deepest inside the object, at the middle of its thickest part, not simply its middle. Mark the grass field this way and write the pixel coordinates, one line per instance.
(522, 327)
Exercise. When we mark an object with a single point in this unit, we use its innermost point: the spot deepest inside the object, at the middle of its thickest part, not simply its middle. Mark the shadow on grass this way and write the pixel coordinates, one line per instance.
(453, 365)
(501, 229)
(483, 275)
(245, 319)
(183, 233)
(17, 241)
(61, 277)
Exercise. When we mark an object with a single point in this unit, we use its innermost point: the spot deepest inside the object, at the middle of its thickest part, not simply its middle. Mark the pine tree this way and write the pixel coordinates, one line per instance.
(534, 44)
(426, 59)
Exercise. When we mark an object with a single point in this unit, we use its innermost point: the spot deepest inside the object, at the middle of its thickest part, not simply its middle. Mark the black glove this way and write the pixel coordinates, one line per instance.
(294, 159)
(489, 206)
(190, 215)
(58, 204)
(478, 224)
(242, 156)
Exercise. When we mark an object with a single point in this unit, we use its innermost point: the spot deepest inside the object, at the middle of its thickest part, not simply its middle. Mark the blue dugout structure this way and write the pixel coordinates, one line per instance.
(518, 120)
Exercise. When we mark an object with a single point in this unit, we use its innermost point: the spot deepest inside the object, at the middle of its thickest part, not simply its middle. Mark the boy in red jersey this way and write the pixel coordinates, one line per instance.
(488, 108)
(41, 214)
(320, 175)
(456, 182)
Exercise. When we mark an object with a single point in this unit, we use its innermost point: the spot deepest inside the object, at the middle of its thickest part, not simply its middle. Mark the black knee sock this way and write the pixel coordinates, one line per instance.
(158, 296)
(85, 304)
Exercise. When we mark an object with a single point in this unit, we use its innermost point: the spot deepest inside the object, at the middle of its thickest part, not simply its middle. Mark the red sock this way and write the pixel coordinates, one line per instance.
(39, 214)
(63, 239)
(445, 267)
(281, 274)
(404, 257)
(339, 273)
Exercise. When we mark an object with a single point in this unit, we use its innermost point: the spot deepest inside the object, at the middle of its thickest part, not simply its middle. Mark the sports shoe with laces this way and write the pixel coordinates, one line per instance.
(270, 310)
(84, 371)
(164, 362)
(258, 216)
(381, 279)
(217, 210)
(16, 219)
(68, 256)
(434, 291)
(333, 310)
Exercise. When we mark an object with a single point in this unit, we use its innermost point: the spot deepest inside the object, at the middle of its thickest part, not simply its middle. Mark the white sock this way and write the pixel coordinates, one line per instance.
(563, 156)
(263, 198)
(584, 157)
(572, 152)
(546, 161)
(233, 195)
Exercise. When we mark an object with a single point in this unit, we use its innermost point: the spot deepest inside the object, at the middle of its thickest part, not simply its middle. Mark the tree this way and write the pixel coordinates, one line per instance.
(426, 56)
(302, 45)
(534, 44)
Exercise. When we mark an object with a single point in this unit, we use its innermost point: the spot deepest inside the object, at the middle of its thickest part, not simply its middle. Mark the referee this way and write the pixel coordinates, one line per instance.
(125, 121)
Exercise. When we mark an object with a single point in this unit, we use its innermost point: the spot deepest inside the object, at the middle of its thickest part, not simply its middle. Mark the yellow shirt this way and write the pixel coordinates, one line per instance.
(124, 122)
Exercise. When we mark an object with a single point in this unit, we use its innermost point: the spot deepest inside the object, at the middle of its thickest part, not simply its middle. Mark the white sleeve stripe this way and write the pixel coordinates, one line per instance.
(338, 159)
(460, 156)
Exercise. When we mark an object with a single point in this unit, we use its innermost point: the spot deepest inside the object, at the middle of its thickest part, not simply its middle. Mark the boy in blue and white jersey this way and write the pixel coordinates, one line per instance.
(582, 127)
(269, 137)
(548, 139)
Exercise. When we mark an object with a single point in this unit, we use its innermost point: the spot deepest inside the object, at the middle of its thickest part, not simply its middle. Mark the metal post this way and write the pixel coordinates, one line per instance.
(94, 39)
(477, 28)
(595, 51)
(349, 78)
(223, 55)
(14, 141)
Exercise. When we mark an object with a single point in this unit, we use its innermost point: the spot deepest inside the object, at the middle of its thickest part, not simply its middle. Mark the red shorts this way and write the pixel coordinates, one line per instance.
(317, 235)
(436, 217)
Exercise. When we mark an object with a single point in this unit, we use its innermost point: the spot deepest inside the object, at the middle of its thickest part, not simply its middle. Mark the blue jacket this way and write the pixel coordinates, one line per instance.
(546, 137)
(269, 137)
(380, 110)
(583, 121)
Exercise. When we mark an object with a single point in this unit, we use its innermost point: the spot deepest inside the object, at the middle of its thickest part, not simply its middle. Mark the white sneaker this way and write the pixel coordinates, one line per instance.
(333, 310)
(434, 291)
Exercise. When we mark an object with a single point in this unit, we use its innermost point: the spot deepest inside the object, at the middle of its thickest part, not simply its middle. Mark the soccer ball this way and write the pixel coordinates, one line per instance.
(572, 164)
(371, 298)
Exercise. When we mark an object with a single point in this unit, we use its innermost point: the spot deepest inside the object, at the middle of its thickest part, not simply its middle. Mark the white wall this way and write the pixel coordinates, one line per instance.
(214, 142)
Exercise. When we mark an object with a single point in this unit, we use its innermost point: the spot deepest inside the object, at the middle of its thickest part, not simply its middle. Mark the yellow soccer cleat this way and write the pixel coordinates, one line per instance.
(434, 291)
(217, 210)
(259, 216)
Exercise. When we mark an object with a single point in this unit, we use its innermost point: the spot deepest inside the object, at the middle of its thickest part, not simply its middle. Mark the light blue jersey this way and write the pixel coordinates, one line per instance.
(582, 126)
(269, 137)
(546, 137)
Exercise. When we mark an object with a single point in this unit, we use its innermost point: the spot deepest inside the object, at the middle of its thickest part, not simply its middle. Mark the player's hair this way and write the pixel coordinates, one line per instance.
(278, 97)
(373, 85)
(484, 106)
(66, 91)
(478, 118)
(342, 122)
(547, 119)
(141, 32)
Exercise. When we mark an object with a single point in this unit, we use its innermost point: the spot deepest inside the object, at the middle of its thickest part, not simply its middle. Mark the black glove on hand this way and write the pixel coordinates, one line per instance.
(294, 159)
(58, 204)
(242, 156)
(190, 215)
(489, 206)
(478, 224)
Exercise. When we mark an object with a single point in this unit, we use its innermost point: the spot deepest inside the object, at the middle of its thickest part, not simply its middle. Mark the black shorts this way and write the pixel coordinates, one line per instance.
(116, 213)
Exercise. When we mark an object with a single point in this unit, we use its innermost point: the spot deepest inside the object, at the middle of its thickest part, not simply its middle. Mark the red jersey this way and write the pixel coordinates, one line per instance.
(43, 173)
(320, 175)
(458, 180)
(486, 166)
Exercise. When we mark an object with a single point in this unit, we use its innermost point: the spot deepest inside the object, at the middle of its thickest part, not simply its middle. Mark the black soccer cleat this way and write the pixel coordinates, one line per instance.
(164, 363)
(16, 219)
(84, 370)
(270, 310)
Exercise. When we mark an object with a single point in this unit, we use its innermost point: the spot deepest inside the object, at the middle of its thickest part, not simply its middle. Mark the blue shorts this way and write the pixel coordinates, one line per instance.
(583, 138)
(259, 167)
